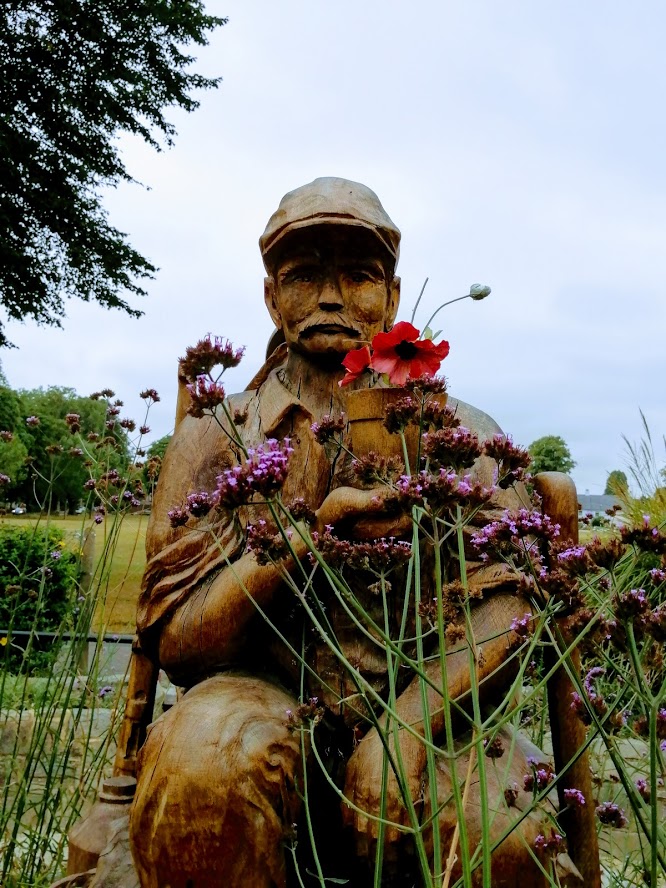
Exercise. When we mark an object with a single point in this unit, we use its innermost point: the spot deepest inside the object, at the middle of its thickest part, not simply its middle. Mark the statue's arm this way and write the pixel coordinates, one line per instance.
(213, 625)
(210, 628)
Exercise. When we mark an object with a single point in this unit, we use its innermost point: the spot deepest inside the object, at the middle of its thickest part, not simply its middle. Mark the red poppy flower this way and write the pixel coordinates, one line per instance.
(402, 355)
(355, 362)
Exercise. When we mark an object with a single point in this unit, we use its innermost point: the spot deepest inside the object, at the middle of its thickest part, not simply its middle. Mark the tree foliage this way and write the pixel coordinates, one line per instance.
(550, 454)
(54, 473)
(616, 483)
(75, 74)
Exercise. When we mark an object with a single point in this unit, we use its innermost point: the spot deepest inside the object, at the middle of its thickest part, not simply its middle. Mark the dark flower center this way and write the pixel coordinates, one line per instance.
(406, 350)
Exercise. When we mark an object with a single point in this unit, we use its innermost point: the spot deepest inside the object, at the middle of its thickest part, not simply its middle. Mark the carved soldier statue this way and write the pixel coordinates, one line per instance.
(221, 774)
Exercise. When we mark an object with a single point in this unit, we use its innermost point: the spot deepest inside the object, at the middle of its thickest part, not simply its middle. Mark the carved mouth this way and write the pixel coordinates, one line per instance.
(331, 330)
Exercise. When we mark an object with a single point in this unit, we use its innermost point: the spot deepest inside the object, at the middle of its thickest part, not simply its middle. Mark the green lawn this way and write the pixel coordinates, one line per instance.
(120, 575)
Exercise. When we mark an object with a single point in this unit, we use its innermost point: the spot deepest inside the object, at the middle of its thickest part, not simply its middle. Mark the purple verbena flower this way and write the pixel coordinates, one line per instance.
(643, 788)
(574, 797)
(178, 517)
(208, 353)
(32, 421)
(611, 814)
(542, 775)
(264, 473)
(328, 427)
(205, 394)
(149, 395)
(199, 504)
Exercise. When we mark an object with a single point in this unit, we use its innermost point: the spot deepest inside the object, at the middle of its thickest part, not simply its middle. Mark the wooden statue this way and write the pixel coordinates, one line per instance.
(220, 775)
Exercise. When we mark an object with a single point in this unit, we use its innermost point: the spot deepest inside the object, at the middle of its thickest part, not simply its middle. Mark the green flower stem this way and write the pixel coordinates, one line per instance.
(448, 722)
(654, 751)
(476, 708)
(431, 764)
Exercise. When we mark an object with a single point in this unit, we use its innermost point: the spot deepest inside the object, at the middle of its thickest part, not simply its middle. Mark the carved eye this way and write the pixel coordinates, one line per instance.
(300, 276)
(359, 277)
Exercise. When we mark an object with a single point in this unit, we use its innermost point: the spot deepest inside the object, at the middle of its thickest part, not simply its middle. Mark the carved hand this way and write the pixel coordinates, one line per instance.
(361, 514)
(363, 788)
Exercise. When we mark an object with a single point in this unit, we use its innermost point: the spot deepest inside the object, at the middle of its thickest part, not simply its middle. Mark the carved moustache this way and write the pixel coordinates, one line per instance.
(320, 320)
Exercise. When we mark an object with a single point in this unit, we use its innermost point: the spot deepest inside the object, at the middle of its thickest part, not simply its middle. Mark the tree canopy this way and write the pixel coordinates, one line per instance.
(616, 482)
(75, 74)
(550, 454)
(43, 454)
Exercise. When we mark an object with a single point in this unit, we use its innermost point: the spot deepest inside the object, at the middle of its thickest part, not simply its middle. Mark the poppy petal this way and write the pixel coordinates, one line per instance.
(402, 331)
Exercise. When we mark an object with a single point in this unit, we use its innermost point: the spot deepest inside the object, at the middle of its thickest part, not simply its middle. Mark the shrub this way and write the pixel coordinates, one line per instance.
(38, 578)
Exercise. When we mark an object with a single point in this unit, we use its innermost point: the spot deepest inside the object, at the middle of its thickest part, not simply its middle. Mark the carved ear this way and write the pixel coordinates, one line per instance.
(270, 298)
(393, 302)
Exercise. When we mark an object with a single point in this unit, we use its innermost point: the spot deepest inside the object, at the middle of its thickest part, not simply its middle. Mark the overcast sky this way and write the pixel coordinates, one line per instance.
(519, 144)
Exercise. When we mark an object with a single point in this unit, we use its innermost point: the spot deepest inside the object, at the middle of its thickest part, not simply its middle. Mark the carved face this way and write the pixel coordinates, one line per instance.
(331, 291)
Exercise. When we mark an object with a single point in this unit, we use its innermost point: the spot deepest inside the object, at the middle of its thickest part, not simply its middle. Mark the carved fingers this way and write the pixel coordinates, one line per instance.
(361, 514)
(363, 789)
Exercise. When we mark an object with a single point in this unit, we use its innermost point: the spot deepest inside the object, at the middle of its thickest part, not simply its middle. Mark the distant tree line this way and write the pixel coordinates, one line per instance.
(46, 455)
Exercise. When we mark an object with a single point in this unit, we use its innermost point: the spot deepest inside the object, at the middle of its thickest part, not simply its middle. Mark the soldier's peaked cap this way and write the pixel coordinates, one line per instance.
(330, 201)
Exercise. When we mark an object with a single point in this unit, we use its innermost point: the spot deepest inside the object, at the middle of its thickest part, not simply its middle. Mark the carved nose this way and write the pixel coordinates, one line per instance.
(330, 296)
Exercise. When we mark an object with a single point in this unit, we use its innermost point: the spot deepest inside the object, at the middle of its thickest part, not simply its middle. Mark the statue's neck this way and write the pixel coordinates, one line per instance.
(316, 385)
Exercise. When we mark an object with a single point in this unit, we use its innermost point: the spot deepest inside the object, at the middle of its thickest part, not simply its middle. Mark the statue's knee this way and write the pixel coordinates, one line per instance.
(225, 745)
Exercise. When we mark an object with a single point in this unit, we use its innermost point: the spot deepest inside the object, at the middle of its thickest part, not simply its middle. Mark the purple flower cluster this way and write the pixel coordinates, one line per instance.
(632, 605)
(611, 814)
(542, 775)
(473, 493)
(593, 698)
(574, 560)
(515, 531)
(439, 490)
(512, 461)
(205, 394)
(575, 797)
(606, 554)
(375, 467)
(549, 844)
(426, 385)
(6, 436)
(73, 420)
(267, 545)
(264, 473)
(208, 353)
(646, 537)
(493, 748)
(32, 421)
(378, 556)
(301, 511)
(401, 413)
(523, 627)
(328, 427)
(178, 517)
(4, 480)
(455, 447)
(149, 395)
(305, 712)
(199, 504)
(643, 788)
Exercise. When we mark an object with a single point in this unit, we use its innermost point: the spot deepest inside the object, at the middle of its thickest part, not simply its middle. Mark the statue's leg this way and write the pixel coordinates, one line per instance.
(513, 862)
(216, 788)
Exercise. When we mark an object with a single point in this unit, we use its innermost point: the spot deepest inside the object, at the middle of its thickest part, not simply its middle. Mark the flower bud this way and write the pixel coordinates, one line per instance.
(479, 291)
